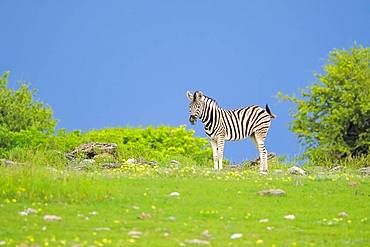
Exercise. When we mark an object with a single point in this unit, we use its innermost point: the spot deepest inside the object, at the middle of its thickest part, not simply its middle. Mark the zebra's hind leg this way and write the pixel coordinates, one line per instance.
(215, 154)
(259, 140)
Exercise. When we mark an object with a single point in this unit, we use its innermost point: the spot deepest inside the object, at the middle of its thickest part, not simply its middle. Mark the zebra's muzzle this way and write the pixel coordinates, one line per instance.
(192, 119)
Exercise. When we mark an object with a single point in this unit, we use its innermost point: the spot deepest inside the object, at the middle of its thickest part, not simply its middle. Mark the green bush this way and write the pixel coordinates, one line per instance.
(27, 139)
(152, 143)
(332, 118)
(19, 111)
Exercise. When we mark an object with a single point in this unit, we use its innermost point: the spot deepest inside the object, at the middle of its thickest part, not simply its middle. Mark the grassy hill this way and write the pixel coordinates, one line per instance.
(181, 205)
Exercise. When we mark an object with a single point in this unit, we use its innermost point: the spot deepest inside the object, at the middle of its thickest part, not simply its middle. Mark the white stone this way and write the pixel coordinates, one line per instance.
(289, 217)
(135, 234)
(52, 218)
(23, 213)
(175, 193)
(263, 220)
(28, 211)
(342, 214)
(236, 235)
(131, 161)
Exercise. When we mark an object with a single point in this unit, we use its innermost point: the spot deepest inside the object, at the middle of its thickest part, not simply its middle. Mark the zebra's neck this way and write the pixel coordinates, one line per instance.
(210, 112)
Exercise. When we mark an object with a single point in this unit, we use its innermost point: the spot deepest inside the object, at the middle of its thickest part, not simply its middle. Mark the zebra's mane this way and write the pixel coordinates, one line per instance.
(213, 100)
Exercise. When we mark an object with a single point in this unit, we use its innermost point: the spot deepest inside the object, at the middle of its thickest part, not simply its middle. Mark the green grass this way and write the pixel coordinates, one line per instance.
(223, 203)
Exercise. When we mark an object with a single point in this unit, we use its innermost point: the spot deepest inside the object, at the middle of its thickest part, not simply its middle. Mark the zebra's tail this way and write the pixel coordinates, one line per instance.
(269, 111)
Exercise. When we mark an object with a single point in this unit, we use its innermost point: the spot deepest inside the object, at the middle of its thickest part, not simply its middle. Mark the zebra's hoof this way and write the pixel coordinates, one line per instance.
(264, 172)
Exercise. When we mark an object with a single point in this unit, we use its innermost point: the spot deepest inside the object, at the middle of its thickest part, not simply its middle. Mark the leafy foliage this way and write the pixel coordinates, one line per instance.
(29, 138)
(19, 111)
(160, 143)
(333, 115)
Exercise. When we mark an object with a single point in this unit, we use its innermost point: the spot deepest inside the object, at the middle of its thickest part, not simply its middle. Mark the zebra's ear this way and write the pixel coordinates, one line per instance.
(198, 95)
(189, 95)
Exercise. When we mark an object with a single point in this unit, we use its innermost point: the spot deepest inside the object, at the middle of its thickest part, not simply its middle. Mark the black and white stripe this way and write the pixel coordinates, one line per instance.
(224, 125)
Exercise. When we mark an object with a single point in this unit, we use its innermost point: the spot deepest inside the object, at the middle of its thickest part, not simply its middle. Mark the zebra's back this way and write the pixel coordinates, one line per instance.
(242, 123)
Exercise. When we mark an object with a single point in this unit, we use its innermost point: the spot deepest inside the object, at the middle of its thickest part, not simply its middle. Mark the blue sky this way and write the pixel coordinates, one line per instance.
(129, 63)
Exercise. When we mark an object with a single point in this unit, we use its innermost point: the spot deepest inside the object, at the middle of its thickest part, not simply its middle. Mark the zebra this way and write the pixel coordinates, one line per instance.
(224, 125)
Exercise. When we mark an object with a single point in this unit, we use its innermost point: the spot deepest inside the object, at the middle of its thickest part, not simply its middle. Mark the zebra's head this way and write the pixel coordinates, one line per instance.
(195, 106)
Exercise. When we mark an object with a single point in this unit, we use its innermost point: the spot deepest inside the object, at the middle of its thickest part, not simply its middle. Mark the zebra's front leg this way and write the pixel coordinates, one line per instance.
(215, 154)
(220, 149)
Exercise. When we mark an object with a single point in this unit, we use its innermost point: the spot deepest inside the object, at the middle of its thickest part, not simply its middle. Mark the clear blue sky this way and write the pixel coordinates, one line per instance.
(118, 63)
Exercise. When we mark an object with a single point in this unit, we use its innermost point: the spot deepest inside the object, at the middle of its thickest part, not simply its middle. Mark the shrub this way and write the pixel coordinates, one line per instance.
(29, 138)
(332, 118)
(157, 143)
(19, 111)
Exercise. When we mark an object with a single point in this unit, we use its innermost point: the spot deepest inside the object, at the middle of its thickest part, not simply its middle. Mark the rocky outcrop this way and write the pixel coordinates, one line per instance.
(92, 149)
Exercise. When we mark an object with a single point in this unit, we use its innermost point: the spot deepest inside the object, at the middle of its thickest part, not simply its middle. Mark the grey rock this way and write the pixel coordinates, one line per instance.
(296, 170)
(89, 150)
(111, 165)
(236, 166)
(272, 192)
(365, 170)
(335, 168)
(141, 161)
